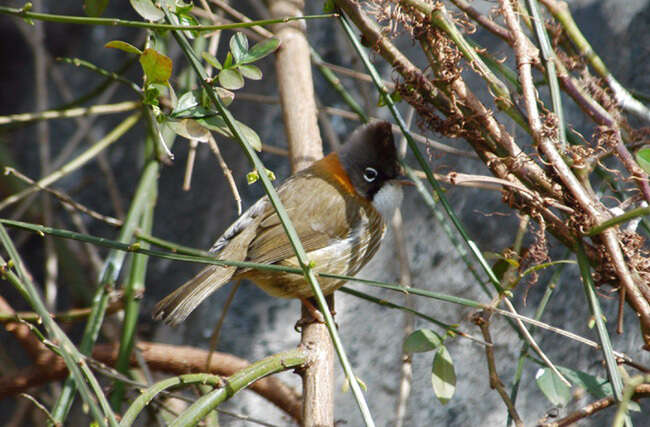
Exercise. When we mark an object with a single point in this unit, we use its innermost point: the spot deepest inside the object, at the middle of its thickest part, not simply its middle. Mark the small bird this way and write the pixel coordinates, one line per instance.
(339, 206)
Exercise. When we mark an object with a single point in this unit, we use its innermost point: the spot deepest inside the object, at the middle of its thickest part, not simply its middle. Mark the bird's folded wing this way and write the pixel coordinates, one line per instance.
(319, 215)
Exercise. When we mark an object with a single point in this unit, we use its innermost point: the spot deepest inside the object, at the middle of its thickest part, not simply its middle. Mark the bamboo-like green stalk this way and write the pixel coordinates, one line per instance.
(78, 162)
(418, 155)
(77, 62)
(102, 86)
(292, 235)
(234, 383)
(612, 222)
(449, 329)
(147, 395)
(134, 287)
(71, 112)
(622, 413)
(79, 371)
(114, 22)
(271, 267)
(601, 328)
(336, 84)
(553, 285)
(107, 279)
(551, 74)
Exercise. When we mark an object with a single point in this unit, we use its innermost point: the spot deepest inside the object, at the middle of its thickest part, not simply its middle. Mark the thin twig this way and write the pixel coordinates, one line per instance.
(212, 143)
(482, 320)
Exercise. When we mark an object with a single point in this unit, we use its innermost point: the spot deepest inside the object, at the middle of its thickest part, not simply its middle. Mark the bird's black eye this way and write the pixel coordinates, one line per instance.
(370, 174)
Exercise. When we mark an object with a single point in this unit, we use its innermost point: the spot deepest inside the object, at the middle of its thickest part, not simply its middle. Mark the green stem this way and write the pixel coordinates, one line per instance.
(135, 287)
(418, 155)
(71, 112)
(551, 73)
(234, 383)
(336, 84)
(79, 372)
(450, 329)
(102, 72)
(292, 235)
(523, 353)
(107, 279)
(114, 22)
(631, 214)
(270, 267)
(152, 392)
(601, 328)
(78, 162)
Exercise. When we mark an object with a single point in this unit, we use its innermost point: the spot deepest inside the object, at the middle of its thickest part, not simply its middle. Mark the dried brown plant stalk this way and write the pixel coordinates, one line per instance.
(551, 176)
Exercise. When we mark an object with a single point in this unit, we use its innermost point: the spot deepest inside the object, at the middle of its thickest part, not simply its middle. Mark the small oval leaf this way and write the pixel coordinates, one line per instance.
(189, 129)
(217, 124)
(238, 46)
(260, 50)
(147, 9)
(443, 377)
(212, 60)
(231, 79)
(126, 47)
(156, 66)
(252, 72)
(553, 388)
(421, 341)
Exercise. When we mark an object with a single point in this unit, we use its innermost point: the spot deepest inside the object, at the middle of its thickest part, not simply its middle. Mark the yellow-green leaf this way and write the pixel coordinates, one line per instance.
(157, 67)
(643, 158)
(421, 341)
(443, 376)
(126, 47)
(231, 79)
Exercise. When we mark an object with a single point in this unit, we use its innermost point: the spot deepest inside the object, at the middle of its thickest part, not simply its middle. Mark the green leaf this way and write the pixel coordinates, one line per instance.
(189, 20)
(228, 62)
(217, 124)
(251, 178)
(151, 94)
(190, 129)
(553, 388)
(443, 377)
(183, 8)
(156, 66)
(192, 105)
(231, 79)
(643, 158)
(260, 50)
(596, 386)
(126, 47)
(328, 6)
(421, 341)
(238, 46)
(147, 10)
(252, 72)
(95, 8)
(212, 60)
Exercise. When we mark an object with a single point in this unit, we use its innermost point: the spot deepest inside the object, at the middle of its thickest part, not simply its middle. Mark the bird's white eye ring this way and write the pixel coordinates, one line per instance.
(370, 174)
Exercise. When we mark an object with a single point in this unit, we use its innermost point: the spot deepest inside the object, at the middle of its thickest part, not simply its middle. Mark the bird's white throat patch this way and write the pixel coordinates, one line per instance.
(388, 199)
